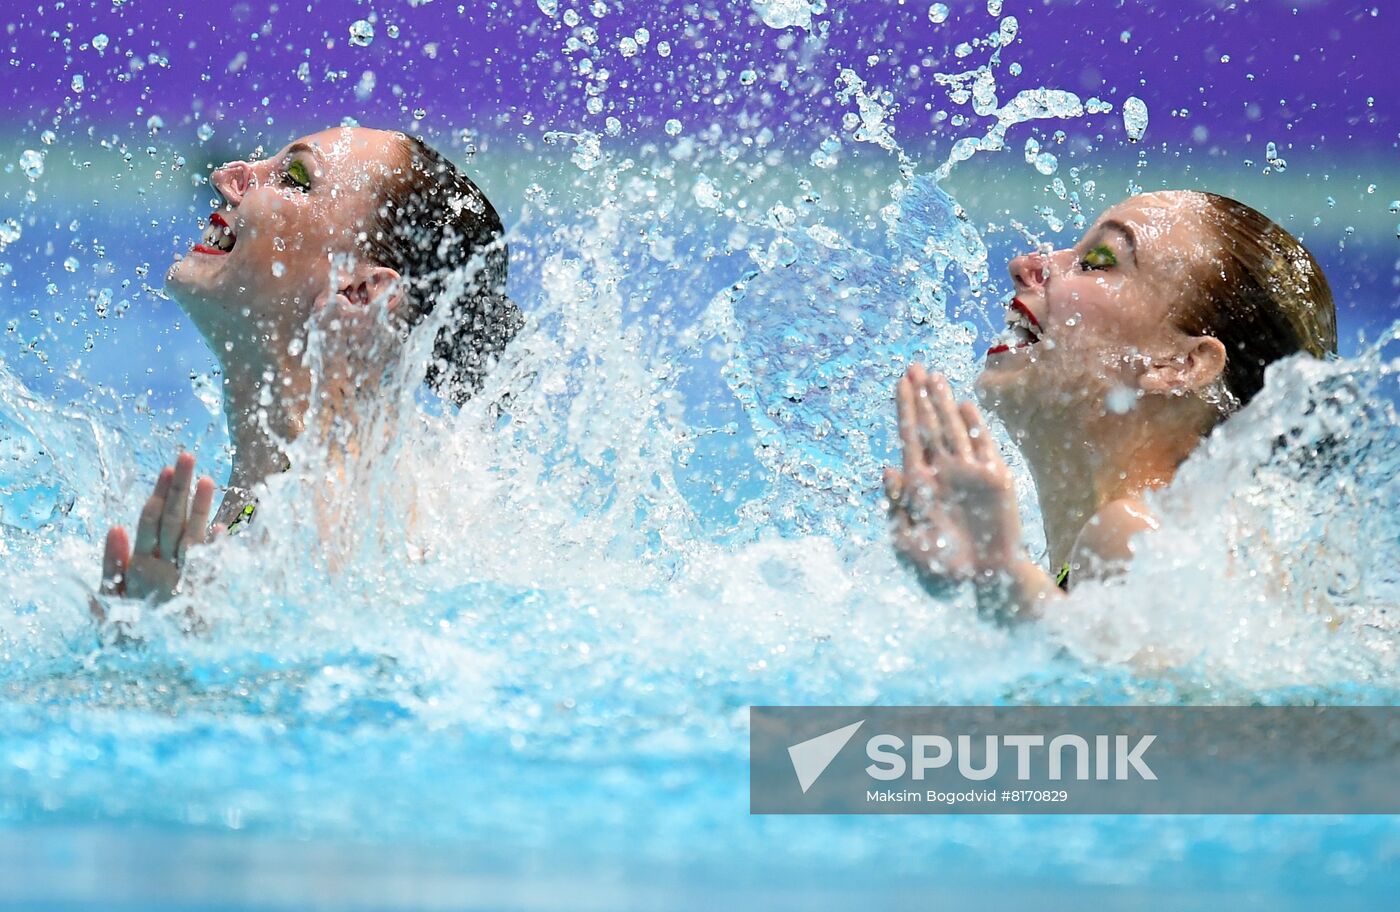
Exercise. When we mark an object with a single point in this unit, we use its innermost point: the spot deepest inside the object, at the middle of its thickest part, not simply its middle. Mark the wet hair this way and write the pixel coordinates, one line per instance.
(1265, 298)
(440, 233)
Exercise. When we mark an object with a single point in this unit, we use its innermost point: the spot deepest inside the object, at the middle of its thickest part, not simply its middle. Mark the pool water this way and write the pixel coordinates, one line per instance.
(517, 674)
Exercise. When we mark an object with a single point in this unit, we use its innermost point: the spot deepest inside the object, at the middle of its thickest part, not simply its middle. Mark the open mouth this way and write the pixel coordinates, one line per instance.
(1022, 330)
(218, 237)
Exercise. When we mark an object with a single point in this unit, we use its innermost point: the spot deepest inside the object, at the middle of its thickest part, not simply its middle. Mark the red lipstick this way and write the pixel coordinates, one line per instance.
(1018, 306)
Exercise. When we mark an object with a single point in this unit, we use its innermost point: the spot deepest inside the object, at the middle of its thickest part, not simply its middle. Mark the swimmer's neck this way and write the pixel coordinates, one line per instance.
(1081, 465)
(265, 401)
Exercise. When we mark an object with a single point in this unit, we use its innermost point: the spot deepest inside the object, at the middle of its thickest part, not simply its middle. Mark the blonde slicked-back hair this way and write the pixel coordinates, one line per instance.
(1265, 297)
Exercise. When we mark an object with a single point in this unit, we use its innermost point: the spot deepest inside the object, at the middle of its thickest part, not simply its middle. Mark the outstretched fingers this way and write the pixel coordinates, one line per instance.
(176, 508)
(197, 526)
(930, 428)
(983, 449)
(953, 434)
(148, 526)
(906, 401)
(894, 487)
(116, 556)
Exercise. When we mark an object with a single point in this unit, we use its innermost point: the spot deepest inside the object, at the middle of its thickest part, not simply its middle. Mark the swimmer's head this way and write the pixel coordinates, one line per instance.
(374, 213)
(1175, 300)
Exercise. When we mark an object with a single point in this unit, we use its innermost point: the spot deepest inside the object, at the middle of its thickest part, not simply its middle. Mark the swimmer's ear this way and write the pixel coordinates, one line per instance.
(371, 283)
(1195, 366)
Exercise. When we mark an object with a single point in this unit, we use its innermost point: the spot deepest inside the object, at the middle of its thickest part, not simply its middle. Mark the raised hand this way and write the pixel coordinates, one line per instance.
(953, 506)
(170, 523)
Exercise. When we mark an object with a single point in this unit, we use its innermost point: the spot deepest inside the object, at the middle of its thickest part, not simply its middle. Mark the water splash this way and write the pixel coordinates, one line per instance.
(781, 14)
(609, 552)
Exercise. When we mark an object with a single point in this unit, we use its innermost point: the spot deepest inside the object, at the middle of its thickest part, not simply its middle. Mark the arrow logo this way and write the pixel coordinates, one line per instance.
(810, 758)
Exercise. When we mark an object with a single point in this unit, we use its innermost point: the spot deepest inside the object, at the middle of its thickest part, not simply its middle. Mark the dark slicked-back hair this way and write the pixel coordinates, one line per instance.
(440, 233)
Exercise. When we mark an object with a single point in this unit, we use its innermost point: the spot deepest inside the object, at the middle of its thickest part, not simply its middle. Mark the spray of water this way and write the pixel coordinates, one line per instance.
(609, 547)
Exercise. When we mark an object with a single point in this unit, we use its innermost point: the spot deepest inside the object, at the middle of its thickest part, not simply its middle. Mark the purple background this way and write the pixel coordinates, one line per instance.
(497, 62)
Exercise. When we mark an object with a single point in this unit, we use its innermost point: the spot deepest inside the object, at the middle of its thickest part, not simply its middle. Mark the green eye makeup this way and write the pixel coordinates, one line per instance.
(1100, 257)
(297, 174)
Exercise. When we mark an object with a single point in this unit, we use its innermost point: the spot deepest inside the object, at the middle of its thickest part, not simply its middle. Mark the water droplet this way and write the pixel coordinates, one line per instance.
(208, 391)
(361, 33)
(32, 164)
(78, 82)
(938, 13)
(994, 7)
(71, 264)
(10, 232)
(365, 87)
(549, 7)
(588, 147)
(205, 132)
(673, 127)
(663, 48)
(392, 31)
(781, 14)
(154, 123)
(748, 77)
(1121, 400)
(707, 195)
(1395, 205)
(99, 42)
(628, 47)
(1135, 118)
(1006, 33)
(279, 269)
(1046, 163)
(48, 137)
(782, 252)
(827, 154)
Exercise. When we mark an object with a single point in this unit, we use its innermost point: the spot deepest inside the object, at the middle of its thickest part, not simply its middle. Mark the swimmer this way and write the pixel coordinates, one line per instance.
(333, 224)
(1121, 355)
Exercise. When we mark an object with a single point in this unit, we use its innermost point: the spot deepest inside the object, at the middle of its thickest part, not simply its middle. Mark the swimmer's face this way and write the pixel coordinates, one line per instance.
(266, 254)
(1099, 313)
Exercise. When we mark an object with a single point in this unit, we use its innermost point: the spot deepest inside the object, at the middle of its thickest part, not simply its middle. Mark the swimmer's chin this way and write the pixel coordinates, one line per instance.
(1010, 389)
(185, 287)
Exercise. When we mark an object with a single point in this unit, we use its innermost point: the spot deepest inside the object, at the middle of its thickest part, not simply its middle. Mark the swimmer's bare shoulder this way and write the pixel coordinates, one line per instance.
(1103, 548)
(1105, 544)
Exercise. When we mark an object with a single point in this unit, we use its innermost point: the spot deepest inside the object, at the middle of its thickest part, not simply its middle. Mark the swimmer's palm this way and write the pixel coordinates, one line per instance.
(980, 497)
(930, 532)
(954, 504)
(959, 520)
